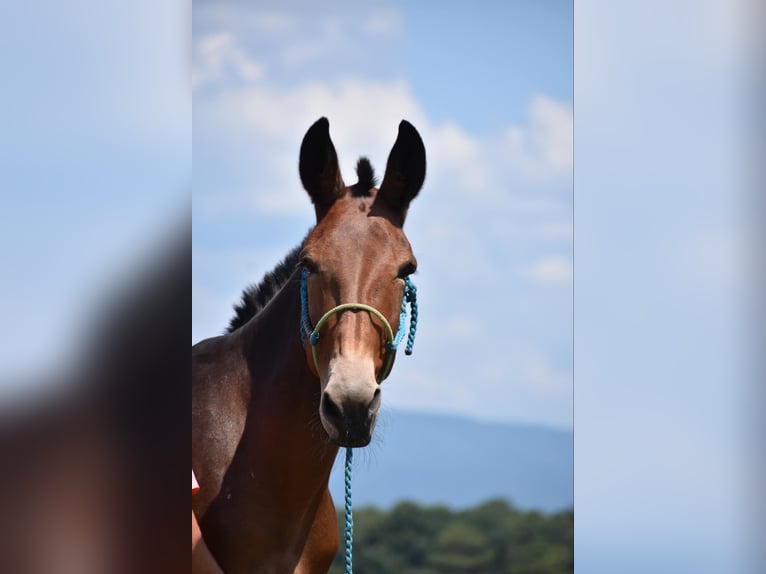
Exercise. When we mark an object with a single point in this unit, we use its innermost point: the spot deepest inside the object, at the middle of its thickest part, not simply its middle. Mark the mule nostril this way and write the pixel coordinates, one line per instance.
(330, 409)
(375, 402)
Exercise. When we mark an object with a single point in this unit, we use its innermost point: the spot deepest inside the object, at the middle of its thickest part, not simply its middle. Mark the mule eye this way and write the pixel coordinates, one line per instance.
(406, 270)
(309, 265)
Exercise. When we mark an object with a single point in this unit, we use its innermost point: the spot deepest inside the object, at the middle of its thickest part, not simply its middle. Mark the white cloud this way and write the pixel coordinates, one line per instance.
(364, 115)
(544, 148)
(385, 23)
(313, 43)
(554, 270)
(218, 55)
(255, 110)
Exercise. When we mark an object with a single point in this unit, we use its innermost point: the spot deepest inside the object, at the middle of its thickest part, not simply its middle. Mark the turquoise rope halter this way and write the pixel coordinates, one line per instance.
(392, 342)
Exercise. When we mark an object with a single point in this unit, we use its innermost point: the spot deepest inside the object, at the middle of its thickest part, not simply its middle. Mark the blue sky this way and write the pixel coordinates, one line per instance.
(490, 90)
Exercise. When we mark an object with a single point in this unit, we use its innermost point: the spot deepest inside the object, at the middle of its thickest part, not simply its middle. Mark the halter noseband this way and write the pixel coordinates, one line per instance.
(392, 341)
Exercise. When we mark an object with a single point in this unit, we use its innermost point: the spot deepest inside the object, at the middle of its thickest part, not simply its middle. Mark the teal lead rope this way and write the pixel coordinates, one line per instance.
(312, 334)
(349, 530)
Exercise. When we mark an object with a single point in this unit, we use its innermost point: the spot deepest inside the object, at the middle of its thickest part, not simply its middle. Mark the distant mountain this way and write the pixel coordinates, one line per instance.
(439, 459)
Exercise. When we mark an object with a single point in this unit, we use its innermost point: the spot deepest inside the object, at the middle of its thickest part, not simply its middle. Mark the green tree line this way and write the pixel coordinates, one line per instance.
(493, 538)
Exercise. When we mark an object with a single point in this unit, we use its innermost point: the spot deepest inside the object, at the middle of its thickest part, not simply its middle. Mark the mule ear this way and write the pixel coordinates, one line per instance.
(405, 170)
(318, 167)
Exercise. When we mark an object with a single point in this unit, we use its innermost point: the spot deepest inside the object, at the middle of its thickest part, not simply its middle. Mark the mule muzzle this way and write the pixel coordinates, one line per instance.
(349, 406)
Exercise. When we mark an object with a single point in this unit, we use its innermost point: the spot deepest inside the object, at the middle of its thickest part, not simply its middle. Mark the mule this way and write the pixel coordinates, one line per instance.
(269, 409)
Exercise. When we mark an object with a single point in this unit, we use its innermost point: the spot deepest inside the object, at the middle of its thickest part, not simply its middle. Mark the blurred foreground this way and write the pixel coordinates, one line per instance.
(91, 470)
(95, 173)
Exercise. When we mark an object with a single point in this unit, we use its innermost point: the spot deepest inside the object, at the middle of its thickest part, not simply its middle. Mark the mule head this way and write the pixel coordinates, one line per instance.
(357, 253)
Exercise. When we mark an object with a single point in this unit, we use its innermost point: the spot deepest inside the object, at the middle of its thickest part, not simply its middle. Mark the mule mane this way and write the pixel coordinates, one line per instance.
(256, 297)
